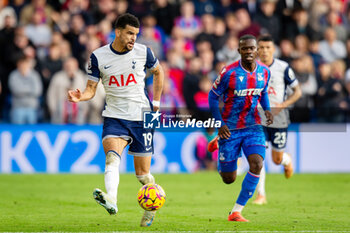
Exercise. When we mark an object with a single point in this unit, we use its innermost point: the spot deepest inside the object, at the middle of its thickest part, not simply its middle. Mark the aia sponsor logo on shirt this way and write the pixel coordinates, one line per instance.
(121, 81)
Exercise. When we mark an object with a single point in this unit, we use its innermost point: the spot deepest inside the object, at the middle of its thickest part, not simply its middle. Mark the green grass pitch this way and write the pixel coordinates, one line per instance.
(195, 202)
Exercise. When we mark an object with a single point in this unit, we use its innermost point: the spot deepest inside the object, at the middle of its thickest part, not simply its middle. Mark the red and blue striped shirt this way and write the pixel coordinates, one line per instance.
(242, 91)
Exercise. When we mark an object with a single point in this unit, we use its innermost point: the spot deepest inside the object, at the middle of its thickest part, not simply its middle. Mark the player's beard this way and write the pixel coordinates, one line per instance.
(128, 46)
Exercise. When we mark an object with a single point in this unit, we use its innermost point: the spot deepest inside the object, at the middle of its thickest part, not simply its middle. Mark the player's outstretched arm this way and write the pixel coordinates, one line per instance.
(158, 80)
(89, 92)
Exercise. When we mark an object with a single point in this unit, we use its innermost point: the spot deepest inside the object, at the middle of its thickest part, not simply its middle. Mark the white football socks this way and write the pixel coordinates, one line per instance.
(237, 208)
(112, 174)
(146, 179)
(261, 185)
(286, 159)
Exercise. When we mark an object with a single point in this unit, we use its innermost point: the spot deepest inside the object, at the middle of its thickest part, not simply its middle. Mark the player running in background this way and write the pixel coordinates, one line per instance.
(282, 76)
(121, 68)
(243, 85)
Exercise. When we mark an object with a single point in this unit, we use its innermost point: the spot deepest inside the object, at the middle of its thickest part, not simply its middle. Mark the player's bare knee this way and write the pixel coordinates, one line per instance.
(256, 166)
(228, 178)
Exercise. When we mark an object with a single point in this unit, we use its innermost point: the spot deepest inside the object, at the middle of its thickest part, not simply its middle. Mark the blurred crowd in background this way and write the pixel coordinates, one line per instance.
(45, 46)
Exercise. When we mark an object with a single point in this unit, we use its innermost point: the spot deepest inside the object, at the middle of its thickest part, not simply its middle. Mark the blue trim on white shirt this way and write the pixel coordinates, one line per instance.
(116, 52)
(151, 60)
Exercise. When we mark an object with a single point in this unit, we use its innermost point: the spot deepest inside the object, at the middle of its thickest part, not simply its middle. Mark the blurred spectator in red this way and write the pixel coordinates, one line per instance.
(336, 6)
(26, 89)
(61, 110)
(269, 21)
(36, 7)
(331, 48)
(201, 96)
(104, 31)
(205, 7)
(176, 64)
(179, 43)
(165, 13)
(206, 160)
(171, 101)
(189, 24)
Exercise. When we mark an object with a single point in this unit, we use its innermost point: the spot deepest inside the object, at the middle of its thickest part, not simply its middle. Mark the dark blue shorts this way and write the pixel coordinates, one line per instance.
(140, 139)
(277, 137)
(250, 140)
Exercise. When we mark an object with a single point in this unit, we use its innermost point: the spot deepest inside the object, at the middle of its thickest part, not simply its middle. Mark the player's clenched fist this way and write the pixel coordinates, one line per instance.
(269, 117)
(74, 95)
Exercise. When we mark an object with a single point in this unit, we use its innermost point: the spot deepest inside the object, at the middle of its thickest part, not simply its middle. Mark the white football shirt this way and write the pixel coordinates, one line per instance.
(123, 77)
(282, 76)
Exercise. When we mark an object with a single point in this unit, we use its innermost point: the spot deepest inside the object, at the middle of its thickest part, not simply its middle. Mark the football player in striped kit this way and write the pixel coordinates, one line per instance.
(243, 85)
(121, 68)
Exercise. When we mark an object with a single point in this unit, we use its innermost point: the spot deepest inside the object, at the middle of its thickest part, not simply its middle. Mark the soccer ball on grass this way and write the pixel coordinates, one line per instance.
(151, 197)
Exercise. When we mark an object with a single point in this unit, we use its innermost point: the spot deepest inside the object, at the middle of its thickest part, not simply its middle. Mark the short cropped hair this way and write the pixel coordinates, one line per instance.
(246, 37)
(127, 19)
(265, 38)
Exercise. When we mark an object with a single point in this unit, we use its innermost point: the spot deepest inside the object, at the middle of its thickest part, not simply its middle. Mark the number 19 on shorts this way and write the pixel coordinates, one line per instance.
(147, 137)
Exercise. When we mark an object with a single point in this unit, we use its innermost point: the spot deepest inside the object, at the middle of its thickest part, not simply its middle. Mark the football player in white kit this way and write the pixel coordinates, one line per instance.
(121, 67)
(282, 76)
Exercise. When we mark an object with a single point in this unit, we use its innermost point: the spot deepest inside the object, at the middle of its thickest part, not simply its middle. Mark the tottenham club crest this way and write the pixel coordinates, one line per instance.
(133, 64)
